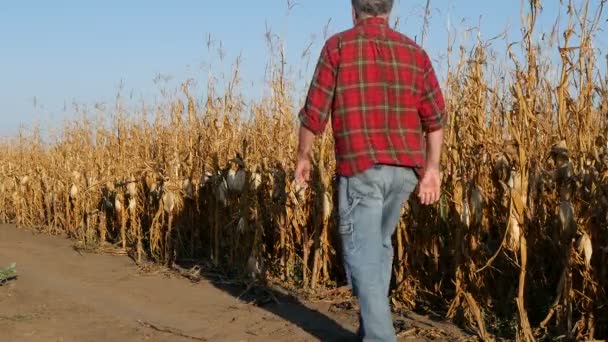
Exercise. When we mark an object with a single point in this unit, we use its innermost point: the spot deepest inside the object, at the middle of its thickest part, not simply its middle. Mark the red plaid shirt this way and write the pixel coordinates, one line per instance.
(382, 93)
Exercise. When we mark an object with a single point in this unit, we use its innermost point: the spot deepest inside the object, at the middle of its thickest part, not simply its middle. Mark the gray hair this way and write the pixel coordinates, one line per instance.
(373, 7)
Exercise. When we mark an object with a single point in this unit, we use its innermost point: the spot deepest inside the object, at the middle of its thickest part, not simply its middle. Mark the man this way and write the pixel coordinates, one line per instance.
(387, 115)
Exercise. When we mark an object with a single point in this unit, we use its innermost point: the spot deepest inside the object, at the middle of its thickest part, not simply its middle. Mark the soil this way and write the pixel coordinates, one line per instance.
(63, 294)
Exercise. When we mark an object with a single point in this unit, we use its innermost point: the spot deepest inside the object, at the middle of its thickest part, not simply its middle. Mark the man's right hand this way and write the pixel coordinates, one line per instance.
(429, 189)
(303, 170)
(303, 166)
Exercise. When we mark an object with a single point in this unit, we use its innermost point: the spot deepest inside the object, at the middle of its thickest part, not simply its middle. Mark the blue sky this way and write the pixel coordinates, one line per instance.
(55, 53)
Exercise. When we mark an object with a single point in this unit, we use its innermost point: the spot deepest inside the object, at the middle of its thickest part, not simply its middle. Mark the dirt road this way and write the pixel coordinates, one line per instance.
(64, 295)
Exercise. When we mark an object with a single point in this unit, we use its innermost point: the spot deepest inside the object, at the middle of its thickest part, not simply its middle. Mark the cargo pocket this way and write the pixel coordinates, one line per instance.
(348, 202)
(347, 234)
(346, 209)
(346, 225)
(410, 181)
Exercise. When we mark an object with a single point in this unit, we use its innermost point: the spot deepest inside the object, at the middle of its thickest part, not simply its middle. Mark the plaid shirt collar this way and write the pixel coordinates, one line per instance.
(372, 21)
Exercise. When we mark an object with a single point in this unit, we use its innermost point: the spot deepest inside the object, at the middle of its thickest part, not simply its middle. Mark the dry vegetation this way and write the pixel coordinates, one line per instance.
(517, 247)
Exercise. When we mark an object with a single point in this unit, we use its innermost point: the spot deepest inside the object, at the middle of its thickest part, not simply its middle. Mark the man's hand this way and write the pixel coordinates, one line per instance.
(429, 189)
(303, 170)
(430, 184)
(303, 167)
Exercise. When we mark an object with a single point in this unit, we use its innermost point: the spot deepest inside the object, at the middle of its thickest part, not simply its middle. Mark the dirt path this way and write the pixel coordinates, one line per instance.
(64, 295)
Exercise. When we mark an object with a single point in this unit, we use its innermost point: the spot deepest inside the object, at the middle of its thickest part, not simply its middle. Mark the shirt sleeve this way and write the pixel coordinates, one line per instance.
(315, 113)
(431, 108)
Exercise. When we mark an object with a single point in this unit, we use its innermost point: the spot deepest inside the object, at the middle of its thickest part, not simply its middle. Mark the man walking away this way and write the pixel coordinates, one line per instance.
(387, 114)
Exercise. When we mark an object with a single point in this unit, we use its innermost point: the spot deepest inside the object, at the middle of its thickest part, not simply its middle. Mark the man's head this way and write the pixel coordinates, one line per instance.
(371, 8)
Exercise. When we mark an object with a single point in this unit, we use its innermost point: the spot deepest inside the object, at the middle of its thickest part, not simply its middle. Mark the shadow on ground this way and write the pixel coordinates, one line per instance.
(278, 302)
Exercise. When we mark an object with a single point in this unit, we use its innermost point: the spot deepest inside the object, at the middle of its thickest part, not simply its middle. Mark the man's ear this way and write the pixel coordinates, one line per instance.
(355, 16)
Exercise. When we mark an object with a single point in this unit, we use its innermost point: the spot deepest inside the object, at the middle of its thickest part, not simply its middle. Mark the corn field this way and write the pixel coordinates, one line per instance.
(517, 248)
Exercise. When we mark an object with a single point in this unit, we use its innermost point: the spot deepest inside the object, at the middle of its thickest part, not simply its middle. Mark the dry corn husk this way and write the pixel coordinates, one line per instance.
(299, 190)
(151, 183)
(518, 206)
(516, 214)
(118, 203)
(242, 226)
(73, 191)
(514, 234)
(132, 205)
(254, 266)
(560, 154)
(154, 189)
(132, 188)
(462, 203)
(256, 180)
(207, 177)
(327, 205)
(466, 213)
(188, 188)
(24, 180)
(443, 208)
(91, 181)
(222, 190)
(169, 201)
(236, 181)
(567, 219)
(511, 180)
(107, 203)
(458, 197)
(585, 247)
(476, 205)
(502, 168)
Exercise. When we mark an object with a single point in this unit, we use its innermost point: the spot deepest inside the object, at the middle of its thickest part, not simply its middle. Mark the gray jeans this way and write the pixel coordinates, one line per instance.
(370, 206)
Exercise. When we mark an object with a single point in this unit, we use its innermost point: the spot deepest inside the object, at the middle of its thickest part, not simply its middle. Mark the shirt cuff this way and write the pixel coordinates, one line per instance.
(433, 124)
(313, 125)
